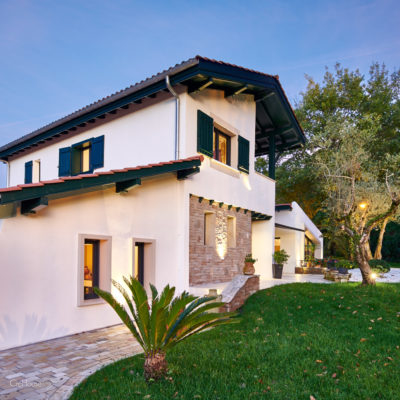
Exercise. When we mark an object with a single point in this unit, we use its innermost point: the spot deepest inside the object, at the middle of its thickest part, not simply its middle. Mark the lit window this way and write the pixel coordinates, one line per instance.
(209, 229)
(91, 268)
(277, 244)
(231, 230)
(222, 147)
(81, 158)
(94, 268)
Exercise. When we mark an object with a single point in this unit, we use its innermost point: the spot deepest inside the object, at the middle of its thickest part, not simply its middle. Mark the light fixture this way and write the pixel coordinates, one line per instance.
(373, 276)
(363, 205)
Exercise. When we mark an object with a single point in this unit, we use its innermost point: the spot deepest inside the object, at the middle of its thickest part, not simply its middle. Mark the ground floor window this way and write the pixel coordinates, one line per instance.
(91, 268)
(277, 244)
(309, 248)
(94, 269)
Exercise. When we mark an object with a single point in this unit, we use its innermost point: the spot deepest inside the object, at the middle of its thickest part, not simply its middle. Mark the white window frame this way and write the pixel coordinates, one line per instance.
(104, 267)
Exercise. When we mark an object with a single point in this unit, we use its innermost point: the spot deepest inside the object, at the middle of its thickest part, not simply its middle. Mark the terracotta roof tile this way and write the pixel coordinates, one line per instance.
(87, 176)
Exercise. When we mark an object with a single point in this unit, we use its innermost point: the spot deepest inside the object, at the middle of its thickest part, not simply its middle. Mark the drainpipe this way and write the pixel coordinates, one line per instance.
(172, 91)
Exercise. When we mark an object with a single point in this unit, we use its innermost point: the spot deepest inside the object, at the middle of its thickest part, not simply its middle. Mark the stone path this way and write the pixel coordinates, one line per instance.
(50, 369)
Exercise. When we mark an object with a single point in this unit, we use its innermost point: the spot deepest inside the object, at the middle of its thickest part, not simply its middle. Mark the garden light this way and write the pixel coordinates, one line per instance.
(373, 276)
(363, 205)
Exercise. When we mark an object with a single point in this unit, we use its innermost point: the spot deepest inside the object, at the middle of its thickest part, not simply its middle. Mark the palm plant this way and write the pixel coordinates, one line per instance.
(165, 322)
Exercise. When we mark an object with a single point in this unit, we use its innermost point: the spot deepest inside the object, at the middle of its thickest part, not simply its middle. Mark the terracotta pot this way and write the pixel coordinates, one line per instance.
(249, 268)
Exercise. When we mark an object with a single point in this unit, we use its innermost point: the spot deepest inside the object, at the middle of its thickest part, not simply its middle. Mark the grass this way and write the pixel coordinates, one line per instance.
(338, 341)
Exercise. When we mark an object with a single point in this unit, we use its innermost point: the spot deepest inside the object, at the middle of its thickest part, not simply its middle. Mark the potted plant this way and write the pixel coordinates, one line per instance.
(249, 265)
(280, 258)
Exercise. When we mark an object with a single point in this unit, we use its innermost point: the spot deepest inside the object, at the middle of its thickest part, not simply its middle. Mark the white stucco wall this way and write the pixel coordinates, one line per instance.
(39, 253)
(293, 241)
(40, 259)
(142, 137)
(226, 184)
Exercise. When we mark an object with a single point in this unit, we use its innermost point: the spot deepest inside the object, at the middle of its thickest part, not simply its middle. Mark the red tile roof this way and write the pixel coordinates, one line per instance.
(96, 174)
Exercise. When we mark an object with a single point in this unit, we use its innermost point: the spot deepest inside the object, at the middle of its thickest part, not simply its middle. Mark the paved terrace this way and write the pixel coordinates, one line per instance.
(51, 369)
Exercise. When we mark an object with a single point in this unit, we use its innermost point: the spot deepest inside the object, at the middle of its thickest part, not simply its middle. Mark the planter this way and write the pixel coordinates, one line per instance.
(249, 268)
(277, 270)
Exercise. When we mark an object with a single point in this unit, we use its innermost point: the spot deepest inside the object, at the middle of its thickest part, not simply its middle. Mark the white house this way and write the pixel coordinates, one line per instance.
(297, 234)
(156, 180)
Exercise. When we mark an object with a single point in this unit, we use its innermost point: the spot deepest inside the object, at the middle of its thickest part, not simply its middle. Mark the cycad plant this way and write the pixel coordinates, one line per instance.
(165, 321)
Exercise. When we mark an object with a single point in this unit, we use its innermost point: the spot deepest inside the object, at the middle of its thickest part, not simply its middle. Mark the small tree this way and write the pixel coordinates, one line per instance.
(164, 321)
(362, 191)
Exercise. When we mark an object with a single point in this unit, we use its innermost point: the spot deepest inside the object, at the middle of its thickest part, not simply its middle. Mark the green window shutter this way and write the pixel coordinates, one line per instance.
(97, 152)
(28, 172)
(244, 154)
(64, 162)
(205, 129)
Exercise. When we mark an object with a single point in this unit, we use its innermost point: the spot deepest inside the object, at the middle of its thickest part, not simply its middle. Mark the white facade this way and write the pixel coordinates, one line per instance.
(41, 253)
(292, 227)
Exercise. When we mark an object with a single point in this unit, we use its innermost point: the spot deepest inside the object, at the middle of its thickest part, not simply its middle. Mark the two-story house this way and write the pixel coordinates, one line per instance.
(156, 181)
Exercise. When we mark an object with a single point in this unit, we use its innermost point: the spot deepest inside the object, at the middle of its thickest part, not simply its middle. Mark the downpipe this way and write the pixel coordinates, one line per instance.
(177, 106)
(8, 172)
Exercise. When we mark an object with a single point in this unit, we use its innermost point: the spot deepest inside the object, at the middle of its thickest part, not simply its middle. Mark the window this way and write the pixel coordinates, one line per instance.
(32, 171)
(81, 158)
(309, 248)
(209, 229)
(94, 267)
(231, 231)
(91, 268)
(214, 140)
(221, 147)
(277, 244)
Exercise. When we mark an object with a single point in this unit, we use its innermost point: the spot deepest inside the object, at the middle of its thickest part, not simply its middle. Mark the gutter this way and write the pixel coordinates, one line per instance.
(177, 107)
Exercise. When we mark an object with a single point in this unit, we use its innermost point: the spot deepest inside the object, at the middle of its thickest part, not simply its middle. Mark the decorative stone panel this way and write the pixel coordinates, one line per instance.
(217, 262)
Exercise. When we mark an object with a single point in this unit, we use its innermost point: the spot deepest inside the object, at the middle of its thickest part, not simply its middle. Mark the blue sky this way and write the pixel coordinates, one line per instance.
(57, 56)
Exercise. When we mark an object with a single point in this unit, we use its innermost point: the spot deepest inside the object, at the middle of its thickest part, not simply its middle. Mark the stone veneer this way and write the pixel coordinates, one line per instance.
(205, 264)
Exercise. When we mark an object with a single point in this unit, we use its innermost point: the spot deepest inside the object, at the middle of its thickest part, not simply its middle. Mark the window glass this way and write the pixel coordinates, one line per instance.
(222, 147)
(91, 268)
(277, 244)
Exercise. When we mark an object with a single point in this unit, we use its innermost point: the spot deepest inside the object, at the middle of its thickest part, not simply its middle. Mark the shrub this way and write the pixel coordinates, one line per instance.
(348, 264)
(163, 321)
(281, 257)
(380, 266)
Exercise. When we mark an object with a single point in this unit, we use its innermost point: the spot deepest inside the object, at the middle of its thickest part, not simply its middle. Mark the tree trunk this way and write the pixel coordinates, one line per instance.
(378, 250)
(362, 260)
(369, 252)
(155, 366)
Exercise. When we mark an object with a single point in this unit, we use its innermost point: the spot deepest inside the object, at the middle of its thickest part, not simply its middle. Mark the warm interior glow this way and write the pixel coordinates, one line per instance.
(136, 261)
(277, 244)
(86, 159)
(88, 267)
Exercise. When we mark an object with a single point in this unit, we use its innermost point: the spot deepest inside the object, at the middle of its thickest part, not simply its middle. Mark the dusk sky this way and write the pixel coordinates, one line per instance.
(58, 56)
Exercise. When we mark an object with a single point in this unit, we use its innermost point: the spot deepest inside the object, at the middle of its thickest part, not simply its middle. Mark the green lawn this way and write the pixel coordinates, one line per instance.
(338, 341)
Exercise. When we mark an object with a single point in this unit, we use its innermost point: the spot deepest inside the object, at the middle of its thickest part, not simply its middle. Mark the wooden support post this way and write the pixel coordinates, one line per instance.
(271, 156)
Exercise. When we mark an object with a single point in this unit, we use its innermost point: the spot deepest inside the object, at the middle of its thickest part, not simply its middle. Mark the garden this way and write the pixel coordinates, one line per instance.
(298, 341)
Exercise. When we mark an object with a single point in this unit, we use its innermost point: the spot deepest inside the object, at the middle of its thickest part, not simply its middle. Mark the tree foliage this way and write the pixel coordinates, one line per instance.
(352, 127)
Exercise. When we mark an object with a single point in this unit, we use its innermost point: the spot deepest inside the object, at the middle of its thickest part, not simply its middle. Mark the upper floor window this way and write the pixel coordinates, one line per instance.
(81, 158)
(214, 143)
(222, 147)
(32, 171)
